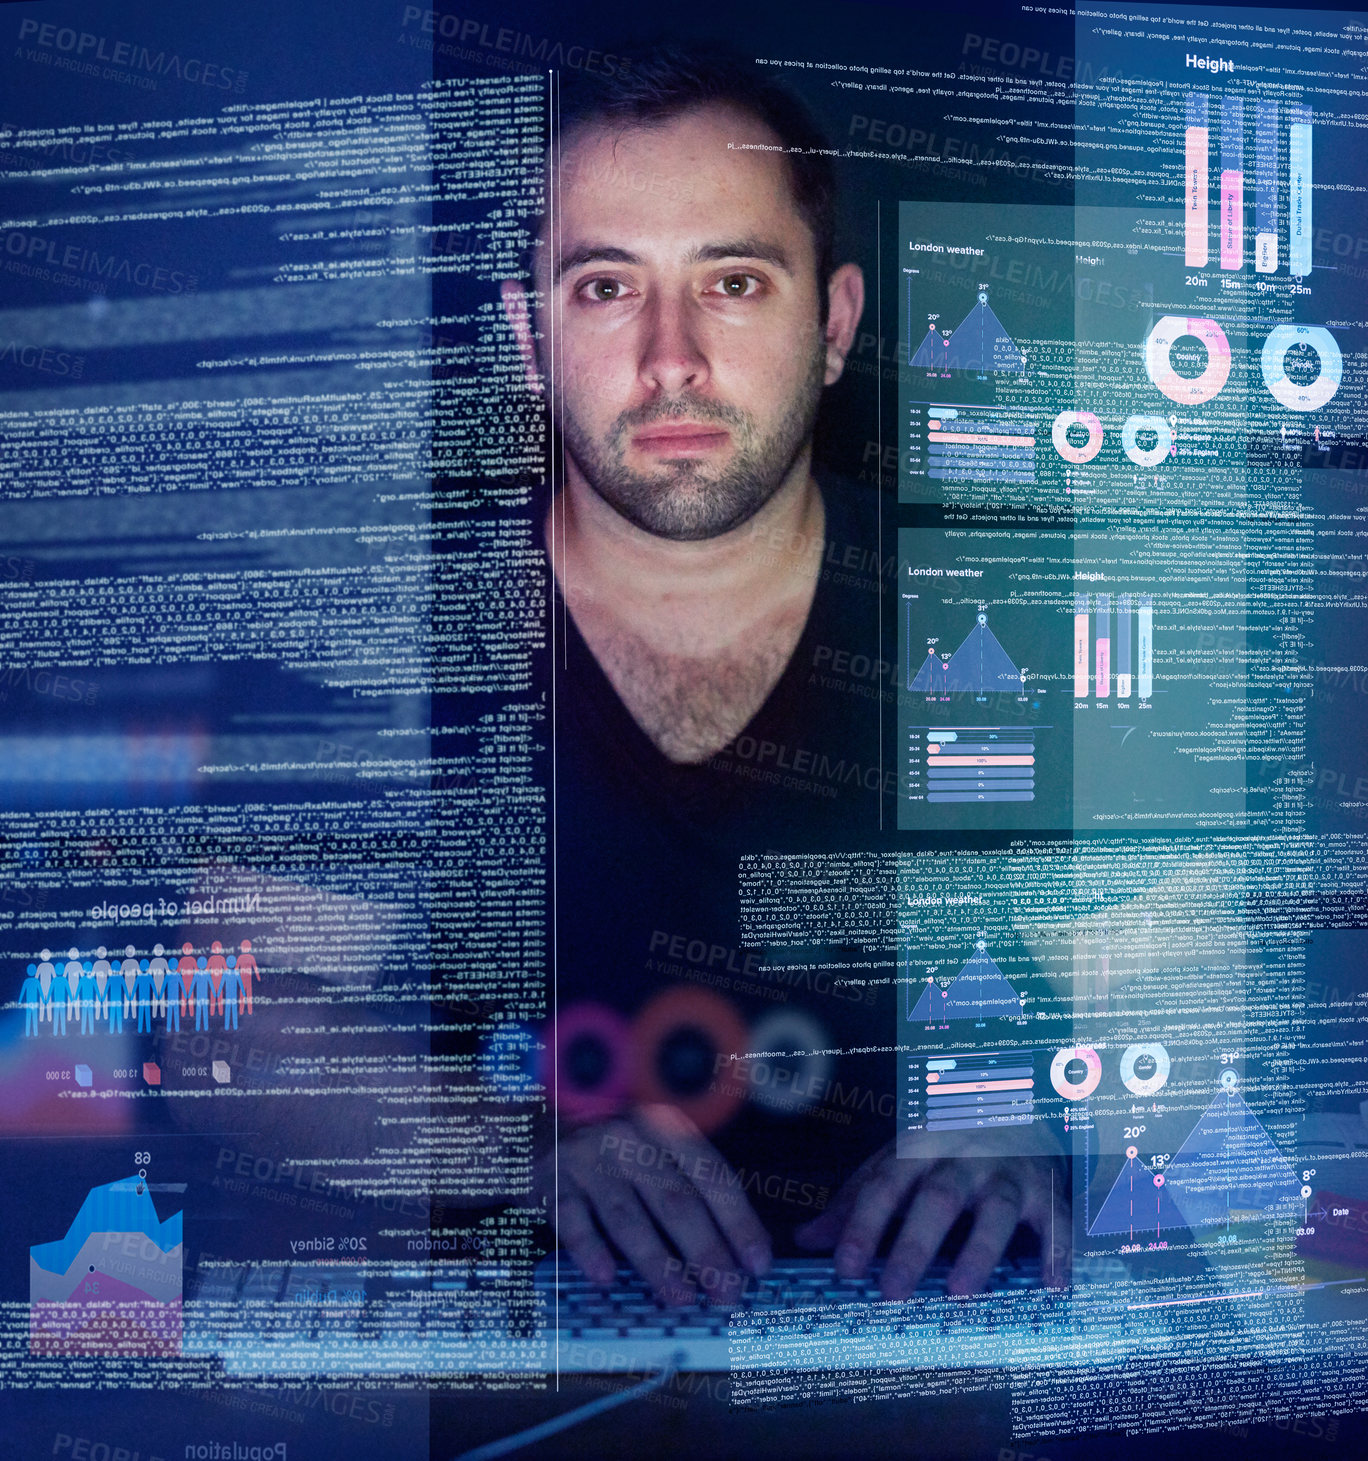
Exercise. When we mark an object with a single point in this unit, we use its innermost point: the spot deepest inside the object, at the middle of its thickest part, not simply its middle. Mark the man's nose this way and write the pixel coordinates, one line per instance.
(672, 356)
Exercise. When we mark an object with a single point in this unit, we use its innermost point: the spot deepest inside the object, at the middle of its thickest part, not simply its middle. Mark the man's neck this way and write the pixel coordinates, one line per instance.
(693, 636)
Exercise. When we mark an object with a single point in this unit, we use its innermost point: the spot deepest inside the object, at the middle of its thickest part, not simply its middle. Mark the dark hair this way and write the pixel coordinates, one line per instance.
(670, 78)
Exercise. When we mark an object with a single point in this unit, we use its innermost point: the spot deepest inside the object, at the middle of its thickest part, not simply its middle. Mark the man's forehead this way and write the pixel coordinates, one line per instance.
(681, 186)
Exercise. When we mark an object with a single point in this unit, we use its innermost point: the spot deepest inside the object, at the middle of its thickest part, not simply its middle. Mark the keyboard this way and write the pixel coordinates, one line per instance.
(315, 1319)
(624, 1329)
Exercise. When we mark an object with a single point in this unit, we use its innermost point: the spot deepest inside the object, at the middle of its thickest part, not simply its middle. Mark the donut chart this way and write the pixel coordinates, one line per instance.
(586, 1061)
(1059, 435)
(1070, 1088)
(1315, 394)
(679, 1036)
(1141, 456)
(1160, 342)
(1144, 1069)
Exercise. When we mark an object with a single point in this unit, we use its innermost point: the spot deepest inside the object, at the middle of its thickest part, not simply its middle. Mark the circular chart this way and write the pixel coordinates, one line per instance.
(1296, 395)
(682, 1038)
(1144, 1069)
(1146, 456)
(1159, 367)
(1059, 434)
(1075, 1072)
(587, 1062)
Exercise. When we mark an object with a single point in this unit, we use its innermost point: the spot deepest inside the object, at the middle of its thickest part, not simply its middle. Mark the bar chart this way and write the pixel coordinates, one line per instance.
(969, 1092)
(1231, 227)
(1103, 642)
(973, 763)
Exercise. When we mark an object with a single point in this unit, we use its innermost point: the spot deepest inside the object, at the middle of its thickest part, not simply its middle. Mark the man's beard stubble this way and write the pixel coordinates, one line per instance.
(685, 501)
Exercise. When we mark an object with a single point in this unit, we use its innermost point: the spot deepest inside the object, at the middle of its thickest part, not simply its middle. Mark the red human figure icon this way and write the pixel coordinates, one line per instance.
(187, 969)
(218, 969)
(247, 971)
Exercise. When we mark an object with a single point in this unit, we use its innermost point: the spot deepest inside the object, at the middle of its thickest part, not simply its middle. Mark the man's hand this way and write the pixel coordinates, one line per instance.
(645, 1178)
(920, 1197)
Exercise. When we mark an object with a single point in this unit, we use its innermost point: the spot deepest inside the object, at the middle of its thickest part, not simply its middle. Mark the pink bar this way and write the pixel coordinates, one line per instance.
(980, 438)
(1232, 220)
(1081, 656)
(1103, 668)
(943, 760)
(956, 1088)
(1195, 197)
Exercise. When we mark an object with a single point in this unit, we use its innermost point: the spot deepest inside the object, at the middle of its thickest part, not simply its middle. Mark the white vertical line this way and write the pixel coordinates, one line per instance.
(549, 313)
(878, 475)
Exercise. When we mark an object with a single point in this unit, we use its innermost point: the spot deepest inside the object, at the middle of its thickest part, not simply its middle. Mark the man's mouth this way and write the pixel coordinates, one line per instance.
(679, 438)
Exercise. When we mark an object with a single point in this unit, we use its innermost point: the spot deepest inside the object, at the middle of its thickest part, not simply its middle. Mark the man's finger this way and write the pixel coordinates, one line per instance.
(940, 1198)
(707, 1171)
(871, 1214)
(686, 1222)
(620, 1213)
(997, 1213)
(580, 1238)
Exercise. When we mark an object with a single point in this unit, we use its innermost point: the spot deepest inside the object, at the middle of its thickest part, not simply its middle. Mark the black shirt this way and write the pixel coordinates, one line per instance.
(647, 891)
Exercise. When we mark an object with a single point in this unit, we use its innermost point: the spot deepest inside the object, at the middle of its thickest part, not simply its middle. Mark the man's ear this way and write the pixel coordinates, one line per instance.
(517, 306)
(845, 305)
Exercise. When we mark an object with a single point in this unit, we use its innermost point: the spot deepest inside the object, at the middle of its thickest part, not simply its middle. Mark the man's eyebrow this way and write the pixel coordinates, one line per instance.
(743, 248)
(761, 250)
(593, 253)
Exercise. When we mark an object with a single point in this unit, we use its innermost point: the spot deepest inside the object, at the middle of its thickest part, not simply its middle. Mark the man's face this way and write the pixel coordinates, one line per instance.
(688, 352)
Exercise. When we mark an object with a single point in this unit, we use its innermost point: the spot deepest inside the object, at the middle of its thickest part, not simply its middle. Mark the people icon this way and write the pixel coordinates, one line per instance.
(230, 1001)
(247, 970)
(127, 984)
(102, 971)
(64, 992)
(202, 990)
(106, 990)
(87, 997)
(186, 968)
(218, 967)
(31, 1000)
(164, 985)
(47, 975)
(144, 996)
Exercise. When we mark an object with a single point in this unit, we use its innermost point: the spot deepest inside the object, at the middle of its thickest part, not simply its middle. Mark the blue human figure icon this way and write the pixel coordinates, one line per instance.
(87, 997)
(164, 985)
(144, 992)
(202, 990)
(47, 974)
(231, 993)
(121, 990)
(103, 972)
(31, 998)
(114, 1002)
(64, 993)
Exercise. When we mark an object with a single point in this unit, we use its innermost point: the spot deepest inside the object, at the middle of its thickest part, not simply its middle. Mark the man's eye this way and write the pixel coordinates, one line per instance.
(737, 286)
(603, 290)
